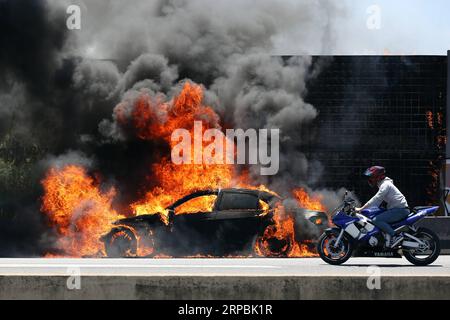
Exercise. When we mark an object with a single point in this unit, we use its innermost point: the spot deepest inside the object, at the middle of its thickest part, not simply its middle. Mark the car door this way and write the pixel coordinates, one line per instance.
(238, 218)
(194, 227)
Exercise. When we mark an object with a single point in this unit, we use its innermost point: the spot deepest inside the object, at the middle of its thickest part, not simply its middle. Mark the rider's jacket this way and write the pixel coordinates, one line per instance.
(389, 193)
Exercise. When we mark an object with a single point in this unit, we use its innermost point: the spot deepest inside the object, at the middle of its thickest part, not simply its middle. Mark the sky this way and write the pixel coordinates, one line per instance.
(406, 27)
(410, 27)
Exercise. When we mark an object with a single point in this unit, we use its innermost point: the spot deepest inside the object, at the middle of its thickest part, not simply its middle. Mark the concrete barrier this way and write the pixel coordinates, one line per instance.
(224, 287)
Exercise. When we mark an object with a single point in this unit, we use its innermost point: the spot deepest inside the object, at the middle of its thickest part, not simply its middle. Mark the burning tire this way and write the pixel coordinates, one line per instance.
(121, 242)
(270, 245)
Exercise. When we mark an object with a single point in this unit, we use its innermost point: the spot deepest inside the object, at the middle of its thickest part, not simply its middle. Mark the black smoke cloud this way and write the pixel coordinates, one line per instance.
(29, 61)
(49, 99)
(59, 87)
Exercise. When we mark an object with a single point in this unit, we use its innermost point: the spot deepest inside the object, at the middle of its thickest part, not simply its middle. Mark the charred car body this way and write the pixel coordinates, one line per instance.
(233, 224)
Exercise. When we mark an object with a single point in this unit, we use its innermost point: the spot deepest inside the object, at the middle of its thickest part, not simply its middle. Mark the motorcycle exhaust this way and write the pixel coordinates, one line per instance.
(410, 244)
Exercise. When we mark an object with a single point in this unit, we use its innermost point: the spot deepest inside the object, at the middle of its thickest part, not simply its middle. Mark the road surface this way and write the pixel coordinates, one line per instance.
(313, 267)
(247, 279)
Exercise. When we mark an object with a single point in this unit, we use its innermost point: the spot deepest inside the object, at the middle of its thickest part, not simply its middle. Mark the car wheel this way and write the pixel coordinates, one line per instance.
(269, 245)
(121, 242)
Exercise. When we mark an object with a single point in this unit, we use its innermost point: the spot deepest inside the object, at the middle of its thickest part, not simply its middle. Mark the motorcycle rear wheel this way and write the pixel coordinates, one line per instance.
(334, 255)
(426, 256)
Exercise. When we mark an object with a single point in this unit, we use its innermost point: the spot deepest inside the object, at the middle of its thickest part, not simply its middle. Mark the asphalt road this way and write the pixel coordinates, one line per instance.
(219, 267)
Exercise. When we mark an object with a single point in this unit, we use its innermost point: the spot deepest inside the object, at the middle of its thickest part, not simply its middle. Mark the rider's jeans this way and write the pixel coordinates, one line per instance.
(383, 220)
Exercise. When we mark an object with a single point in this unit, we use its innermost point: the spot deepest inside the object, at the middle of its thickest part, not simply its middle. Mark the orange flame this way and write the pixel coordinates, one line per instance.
(279, 238)
(430, 120)
(78, 209)
(308, 202)
(175, 181)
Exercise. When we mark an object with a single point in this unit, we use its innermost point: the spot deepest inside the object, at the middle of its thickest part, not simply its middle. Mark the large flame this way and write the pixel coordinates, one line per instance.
(78, 209)
(279, 238)
(308, 202)
(82, 212)
(152, 118)
(174, 180)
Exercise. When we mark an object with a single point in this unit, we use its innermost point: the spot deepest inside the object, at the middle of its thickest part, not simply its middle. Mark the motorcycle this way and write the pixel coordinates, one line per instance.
(355, 234)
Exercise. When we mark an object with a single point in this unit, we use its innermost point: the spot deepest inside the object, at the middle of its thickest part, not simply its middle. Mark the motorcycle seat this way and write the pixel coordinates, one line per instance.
(397, 221)
(414, 210)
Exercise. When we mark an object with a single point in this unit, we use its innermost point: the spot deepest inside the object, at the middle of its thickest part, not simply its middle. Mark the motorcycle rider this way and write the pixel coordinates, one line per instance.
(397, 206)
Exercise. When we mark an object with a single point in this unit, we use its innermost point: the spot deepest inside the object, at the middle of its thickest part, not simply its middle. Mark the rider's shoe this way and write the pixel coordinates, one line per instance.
(395, 240)
(387, 238)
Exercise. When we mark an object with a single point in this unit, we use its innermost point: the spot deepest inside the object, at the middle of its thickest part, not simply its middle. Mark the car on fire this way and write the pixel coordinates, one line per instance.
(234, 222)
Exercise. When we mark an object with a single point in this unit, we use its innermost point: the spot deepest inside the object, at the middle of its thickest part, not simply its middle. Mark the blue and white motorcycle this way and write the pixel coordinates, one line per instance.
(355, 234)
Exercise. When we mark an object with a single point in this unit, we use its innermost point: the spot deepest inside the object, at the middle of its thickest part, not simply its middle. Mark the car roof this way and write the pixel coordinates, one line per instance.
(263, 195)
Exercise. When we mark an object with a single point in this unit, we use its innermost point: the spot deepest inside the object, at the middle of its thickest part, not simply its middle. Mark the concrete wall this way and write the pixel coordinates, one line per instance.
(223, 287)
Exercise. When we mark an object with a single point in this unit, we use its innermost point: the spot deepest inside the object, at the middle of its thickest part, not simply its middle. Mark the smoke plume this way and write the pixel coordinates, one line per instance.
(60, 90)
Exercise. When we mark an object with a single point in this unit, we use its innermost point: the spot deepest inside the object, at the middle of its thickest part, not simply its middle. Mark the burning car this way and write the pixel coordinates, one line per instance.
(220, 222)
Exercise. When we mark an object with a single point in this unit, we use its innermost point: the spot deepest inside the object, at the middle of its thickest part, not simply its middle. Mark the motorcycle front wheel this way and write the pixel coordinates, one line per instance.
(426, 254)
(333, 253)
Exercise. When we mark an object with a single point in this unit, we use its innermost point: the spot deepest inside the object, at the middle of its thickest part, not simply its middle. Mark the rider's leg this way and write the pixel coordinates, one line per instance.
(383, 220)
